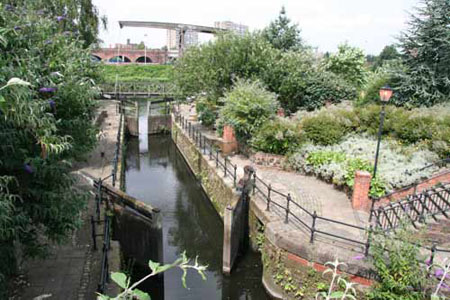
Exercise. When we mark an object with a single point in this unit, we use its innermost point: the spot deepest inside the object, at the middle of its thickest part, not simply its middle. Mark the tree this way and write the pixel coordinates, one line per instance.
(348, 63)
(281, 34)
(45, 124)
(426, 50)
(388, 53)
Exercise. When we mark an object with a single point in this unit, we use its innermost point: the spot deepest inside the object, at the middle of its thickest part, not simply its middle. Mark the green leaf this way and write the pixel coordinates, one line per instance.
(336, 295)
(141, 295)
(120, 278)
(102, 297)
(154, 266)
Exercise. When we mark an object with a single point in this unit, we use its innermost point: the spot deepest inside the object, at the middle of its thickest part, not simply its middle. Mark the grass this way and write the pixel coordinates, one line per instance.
(135, 72)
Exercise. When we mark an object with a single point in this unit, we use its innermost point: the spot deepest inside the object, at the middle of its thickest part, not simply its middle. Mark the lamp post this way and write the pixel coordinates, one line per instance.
(385, 95)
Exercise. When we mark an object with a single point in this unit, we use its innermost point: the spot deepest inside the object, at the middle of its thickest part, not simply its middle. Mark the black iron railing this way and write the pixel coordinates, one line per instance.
(95, 221)
(415, 208)
(207, 147)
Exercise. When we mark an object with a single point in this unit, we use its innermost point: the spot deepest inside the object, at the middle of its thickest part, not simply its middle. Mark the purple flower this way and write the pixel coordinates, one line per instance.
(9, 7)
(52, 103)
(17, 28)
(48, 42)
(60, 18)
(428, 262)
(358, 257)
(28, 168)
(438, 272)
(445, 286)
(67, 33)
(47, 90)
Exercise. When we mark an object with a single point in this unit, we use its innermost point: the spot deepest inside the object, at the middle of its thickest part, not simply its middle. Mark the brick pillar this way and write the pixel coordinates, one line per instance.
(360, 197)
(230, 144)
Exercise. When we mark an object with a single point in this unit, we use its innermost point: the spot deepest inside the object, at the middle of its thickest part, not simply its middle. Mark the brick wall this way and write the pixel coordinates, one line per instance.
(360, 197)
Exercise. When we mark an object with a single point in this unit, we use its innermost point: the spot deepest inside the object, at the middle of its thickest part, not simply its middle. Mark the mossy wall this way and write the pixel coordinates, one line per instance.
(219, 190)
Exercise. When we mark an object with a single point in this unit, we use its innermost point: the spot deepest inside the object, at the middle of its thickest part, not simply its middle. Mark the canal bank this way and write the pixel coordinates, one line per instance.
(156, 173)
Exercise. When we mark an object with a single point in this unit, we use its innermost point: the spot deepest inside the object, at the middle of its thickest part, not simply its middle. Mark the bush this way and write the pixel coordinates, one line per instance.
(338, 163)
(278, 136)
(206, 111)
(247, 107)
(398, 266)
(323, 129)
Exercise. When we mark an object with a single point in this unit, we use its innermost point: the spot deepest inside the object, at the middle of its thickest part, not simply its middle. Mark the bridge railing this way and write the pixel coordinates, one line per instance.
(139, 87)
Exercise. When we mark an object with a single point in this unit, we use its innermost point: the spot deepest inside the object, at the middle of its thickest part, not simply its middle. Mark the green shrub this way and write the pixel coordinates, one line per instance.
(278, 136)
(320, 158)
(206, 111)
(397, 263)
(247, 107)
(323, 129)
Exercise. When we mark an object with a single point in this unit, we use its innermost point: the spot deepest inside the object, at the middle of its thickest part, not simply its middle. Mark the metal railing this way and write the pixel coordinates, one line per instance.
(104, 273)
(144, 88)
(415, 208)
(207, 147)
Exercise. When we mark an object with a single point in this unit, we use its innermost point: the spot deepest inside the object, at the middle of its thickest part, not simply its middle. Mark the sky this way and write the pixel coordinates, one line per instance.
(324, 24)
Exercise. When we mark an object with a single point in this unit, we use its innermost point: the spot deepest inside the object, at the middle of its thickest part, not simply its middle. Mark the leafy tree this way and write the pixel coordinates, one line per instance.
(141, 46)
(212, 67)
(389, 53)
(426, 50)
(247, 107)
(45, 123)
(282, 34)
(348, 63)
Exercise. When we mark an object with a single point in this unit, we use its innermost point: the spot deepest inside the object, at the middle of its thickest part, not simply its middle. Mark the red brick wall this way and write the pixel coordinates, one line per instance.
(156, 55)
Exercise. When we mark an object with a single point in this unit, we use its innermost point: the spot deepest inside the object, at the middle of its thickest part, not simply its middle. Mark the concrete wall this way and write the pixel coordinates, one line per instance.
(159, 124)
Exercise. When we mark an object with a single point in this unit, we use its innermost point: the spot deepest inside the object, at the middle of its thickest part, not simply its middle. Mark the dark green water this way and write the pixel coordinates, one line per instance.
(157, 174)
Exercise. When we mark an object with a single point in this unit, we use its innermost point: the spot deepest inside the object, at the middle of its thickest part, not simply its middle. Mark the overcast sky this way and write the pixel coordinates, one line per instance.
(324, 23)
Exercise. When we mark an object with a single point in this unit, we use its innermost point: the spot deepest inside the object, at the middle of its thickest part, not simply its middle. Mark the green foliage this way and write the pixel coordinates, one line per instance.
(323, 129)
(137, 73)
(206, 111)
(389, 53)
(282, 35)
(130, 291)
(397, 263)
(212, 67)
(320, 158)
(45, 122)
(349, 63)
(277, 136)
(247, 107)
(426, 80)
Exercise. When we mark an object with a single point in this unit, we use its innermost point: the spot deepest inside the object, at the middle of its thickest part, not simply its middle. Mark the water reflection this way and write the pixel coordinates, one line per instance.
(161, 177)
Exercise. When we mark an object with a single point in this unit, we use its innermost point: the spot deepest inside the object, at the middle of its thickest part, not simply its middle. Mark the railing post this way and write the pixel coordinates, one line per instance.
(369, 235)
(225, 168)
(371, 209)
(254, 182)
(217, 158)
(286, 220)
(269, 189)
(433, 252)
(210, 152)
(99, 198)
(313, 227)
(189, 130)
(93, 233)
(234, 176)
